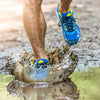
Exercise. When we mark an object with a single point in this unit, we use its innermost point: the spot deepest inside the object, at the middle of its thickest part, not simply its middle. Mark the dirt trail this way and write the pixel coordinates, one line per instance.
(13, 38)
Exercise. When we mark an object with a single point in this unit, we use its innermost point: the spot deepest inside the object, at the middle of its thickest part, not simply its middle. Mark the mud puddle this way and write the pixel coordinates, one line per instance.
(62, 64)
(82, 86)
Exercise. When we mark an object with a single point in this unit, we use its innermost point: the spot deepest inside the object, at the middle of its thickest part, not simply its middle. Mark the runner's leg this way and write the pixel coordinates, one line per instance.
(70, 29)
(64, 5)
(35, 26)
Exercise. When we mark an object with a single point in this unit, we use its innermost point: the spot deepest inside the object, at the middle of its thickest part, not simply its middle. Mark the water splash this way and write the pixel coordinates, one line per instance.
(63, 63)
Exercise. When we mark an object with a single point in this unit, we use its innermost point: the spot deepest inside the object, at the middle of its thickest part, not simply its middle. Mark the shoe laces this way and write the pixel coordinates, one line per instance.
(41, 65)
(68, 23)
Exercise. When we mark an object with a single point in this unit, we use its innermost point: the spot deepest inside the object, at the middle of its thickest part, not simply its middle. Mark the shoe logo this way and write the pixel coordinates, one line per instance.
(69, 14)
(40, 61)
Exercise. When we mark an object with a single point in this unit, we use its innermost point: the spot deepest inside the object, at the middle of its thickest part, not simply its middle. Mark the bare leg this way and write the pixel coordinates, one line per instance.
(35, 26)
(64, 5)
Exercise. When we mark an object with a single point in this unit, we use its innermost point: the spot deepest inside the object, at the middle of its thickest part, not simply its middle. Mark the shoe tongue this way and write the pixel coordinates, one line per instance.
(67, 14)
(41, 61)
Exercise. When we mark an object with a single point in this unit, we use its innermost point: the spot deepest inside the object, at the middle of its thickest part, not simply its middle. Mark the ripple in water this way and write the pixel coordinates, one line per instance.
(60, 91)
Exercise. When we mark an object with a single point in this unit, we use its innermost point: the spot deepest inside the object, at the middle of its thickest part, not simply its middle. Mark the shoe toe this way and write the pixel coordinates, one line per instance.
(41, 74)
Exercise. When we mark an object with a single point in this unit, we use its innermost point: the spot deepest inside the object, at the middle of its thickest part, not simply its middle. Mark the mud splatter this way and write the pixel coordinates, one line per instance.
(63, 63)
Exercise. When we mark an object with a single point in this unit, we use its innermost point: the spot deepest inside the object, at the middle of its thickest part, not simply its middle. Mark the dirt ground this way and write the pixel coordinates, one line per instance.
(13, 38)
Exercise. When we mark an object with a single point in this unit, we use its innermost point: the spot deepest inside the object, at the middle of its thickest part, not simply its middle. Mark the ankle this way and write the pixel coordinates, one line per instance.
(43, 57)
(63, 10)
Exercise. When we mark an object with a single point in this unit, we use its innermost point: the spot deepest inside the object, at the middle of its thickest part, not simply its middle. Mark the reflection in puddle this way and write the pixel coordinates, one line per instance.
(59, 91)
(88, 84)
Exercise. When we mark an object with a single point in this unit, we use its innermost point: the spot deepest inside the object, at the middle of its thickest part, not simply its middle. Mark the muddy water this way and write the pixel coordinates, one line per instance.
(62, 64)
(82, 86)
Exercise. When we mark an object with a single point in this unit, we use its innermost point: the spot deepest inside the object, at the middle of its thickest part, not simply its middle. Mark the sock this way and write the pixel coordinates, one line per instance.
(67, 14)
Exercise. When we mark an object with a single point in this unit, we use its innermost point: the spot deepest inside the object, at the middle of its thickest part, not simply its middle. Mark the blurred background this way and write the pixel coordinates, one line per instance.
(13, 38)
(12, 33)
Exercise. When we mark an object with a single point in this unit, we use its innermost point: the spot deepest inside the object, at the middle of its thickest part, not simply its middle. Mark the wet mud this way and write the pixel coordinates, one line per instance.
(43, 92)
(62, 64)
(13, 38)
(82, 86)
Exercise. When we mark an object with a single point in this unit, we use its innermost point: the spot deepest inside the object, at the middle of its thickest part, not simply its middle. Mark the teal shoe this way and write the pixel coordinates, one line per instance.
(70, 29)
(41, 69)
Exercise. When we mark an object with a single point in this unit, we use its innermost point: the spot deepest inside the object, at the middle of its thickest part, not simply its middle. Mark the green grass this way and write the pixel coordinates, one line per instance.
(4, 81)
(88, 84)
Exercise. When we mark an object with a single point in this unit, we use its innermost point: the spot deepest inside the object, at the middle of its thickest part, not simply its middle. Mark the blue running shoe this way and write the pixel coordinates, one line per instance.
(70, 29)
(41, 69)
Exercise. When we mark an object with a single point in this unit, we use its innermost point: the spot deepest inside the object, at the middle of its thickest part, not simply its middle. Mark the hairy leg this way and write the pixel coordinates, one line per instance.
(43, 28)
(64, 5)
(35, 26)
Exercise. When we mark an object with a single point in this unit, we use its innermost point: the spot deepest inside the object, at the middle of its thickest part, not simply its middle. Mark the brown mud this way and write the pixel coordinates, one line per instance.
(45, 92)
(13, 38)
(62, 64)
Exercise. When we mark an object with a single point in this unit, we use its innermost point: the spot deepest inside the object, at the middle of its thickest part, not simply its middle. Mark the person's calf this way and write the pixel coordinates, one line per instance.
(43, 28)
(33, 2)
(33, 19)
